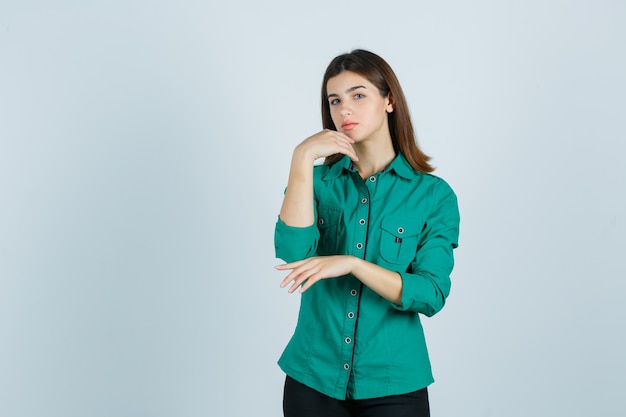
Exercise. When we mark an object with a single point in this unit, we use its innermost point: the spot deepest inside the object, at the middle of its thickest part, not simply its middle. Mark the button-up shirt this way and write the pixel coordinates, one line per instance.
(349, 342)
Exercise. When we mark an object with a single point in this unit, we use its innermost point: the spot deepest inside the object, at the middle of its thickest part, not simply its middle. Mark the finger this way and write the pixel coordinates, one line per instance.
(347, 149)
(344, 136)
(303, 279)
(300, 285)
(294, 276)
(299, 272)
(298, 279)
(311, 276)
(352, 154)
(290, 265)
(347, 144)
(295, 283)
(344, 139)
(307, 284)
(285, 282)
(312, 279)
(337, 133)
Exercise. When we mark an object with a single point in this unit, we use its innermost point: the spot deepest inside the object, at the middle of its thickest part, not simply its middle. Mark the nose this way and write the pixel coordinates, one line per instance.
(345, 109)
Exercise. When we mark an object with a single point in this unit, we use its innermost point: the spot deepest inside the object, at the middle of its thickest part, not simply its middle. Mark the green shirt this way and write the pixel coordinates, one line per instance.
(349, 342)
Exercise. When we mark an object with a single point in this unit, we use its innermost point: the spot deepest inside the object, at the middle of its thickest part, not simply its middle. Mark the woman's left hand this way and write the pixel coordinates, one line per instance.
(308, 271)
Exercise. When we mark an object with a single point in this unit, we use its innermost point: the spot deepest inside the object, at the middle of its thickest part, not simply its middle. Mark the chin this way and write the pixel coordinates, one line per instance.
(358, 138)
(352, 135)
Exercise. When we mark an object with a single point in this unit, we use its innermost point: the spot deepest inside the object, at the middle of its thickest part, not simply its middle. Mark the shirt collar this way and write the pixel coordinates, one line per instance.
(338, 167)
(399, 165)
(402, 167)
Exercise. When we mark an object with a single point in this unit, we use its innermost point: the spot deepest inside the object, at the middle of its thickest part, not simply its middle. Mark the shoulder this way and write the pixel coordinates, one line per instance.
(433, 194)
(423, 181)
(435, 185)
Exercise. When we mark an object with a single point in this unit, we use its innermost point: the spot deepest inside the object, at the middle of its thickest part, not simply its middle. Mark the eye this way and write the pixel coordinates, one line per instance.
(359, 96)
(334, 101)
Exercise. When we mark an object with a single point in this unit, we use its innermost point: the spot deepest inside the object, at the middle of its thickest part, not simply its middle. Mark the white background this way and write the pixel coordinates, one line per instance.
(144, 149)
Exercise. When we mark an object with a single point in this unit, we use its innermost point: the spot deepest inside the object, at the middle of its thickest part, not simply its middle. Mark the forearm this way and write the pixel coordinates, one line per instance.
(297, 207)
(386, 283)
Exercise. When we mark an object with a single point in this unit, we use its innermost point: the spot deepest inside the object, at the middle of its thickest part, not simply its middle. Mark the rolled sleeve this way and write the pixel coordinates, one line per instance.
(426, 283)
(295, 243)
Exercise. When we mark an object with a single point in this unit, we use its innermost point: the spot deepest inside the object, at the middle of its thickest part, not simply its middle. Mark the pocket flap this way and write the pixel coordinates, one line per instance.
(328, 217)
(402, 227)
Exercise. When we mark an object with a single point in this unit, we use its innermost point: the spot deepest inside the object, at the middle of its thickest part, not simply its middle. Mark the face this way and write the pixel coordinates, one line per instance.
(357, 108)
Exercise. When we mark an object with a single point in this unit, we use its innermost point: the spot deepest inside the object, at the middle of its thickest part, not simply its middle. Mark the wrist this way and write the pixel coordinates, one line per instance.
(302, 154)
(354, 264)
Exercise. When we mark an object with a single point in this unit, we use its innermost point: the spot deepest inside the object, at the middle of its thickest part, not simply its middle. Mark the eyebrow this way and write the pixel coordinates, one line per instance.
(349, 90)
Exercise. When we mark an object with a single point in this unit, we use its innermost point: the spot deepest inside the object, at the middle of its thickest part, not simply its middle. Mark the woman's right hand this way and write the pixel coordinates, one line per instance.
(325, 143)
(297, 208)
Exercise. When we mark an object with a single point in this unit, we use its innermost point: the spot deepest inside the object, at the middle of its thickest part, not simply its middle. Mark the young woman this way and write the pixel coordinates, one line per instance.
(368, 239)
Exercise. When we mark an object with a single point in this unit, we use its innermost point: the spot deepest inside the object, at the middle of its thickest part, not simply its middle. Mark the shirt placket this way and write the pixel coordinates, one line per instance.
(362, 216)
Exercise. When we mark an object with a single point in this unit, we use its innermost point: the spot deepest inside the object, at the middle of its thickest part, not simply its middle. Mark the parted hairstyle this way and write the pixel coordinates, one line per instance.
(377, 71)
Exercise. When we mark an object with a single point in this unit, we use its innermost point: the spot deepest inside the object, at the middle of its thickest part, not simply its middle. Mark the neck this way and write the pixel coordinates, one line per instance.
(373, 157)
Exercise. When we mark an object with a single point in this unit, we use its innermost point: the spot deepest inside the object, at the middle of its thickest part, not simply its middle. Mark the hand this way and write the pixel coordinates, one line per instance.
(309, 271)
(327, 142)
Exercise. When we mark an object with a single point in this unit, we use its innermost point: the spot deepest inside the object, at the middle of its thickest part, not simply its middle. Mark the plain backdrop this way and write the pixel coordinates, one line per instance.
(145, 147)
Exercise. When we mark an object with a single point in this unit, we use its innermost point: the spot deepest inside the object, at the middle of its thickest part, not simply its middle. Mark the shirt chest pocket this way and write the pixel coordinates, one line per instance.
(399, 239)
(328, 223)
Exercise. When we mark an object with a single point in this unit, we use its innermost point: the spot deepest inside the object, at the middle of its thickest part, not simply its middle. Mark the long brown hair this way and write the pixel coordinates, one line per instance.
(377, 71)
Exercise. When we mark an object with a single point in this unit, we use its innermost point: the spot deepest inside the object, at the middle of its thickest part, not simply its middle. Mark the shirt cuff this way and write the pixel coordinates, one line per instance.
(420, 294)
(295, 243)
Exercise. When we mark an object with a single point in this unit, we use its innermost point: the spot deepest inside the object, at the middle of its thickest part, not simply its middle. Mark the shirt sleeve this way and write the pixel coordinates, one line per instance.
(295, 243)
(426, 283)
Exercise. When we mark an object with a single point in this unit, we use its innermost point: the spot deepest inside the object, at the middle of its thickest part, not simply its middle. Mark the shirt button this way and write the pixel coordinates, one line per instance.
(400, 230)
(321, 221)
(351, 315)
(353, 293)
(347, 340)
(372, 178)
(362, 222)
(359, 246)
(363, 200)
(346, 366)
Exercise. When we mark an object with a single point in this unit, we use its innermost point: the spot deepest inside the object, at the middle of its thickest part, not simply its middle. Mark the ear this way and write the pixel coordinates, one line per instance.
(389, 107)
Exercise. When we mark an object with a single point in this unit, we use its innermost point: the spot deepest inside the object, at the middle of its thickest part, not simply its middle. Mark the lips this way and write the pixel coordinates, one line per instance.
(348, 125)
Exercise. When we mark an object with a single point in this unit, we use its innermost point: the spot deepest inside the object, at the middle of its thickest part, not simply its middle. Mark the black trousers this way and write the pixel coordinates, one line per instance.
(302, 401)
